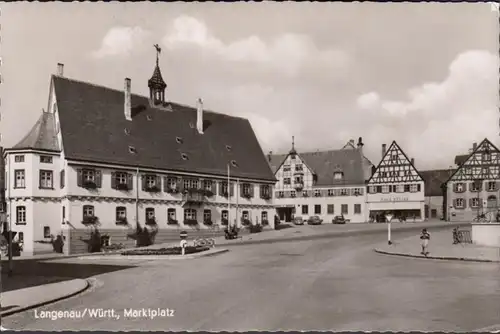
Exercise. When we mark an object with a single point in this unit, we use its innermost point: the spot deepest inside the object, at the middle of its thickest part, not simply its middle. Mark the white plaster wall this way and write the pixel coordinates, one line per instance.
(486, 234)
(27, 229)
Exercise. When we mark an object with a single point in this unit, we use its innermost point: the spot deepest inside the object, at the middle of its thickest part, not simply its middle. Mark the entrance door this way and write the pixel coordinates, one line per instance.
(426, 211)
(433, 213)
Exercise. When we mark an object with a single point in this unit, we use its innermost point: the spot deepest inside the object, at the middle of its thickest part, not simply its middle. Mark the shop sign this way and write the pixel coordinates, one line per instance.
(394, 199)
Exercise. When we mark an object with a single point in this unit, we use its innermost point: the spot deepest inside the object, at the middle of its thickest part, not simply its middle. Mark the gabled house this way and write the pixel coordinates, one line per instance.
(367, 164)
(435, 192)
(323, 183)
(396, 187)
(110, 158)
(473, 189)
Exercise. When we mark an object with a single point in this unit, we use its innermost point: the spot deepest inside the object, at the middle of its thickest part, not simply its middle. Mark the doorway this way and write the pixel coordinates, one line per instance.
(285, 214)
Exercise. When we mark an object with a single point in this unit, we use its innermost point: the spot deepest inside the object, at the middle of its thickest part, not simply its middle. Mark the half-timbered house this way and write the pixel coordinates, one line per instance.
(110, 158)
(322, 183)
(395, 187)
(473, 189)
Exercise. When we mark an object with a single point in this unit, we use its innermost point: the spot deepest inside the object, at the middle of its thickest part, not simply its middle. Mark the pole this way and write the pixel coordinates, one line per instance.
(11, 263)
(137, 198)
(237, 198)
(228, 200)
(388, 217)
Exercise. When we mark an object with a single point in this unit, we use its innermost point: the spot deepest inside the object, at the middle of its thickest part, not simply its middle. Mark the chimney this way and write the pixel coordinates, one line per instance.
(360, 143)
(474, 146)
(269, 155)
(412, 161)
(384, 147)
(199, 116)
(127, 109)
(352, 142)
(60, 69)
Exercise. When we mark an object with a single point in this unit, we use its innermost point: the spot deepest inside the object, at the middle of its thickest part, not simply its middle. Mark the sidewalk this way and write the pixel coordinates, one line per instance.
(23, 299)
(440, 247)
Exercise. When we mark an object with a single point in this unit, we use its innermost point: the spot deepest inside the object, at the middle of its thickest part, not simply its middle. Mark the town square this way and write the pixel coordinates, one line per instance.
(335, 167)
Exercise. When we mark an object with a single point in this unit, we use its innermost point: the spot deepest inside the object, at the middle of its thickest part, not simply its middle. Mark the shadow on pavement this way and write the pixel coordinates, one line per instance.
(283, 226)
(31, 273)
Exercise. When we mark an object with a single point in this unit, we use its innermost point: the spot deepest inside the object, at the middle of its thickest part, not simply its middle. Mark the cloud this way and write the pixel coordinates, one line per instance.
(439, 117)
(120, 41)
(288, 52)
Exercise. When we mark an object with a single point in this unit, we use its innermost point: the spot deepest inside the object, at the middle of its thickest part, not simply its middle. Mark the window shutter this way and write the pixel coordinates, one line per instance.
(455, 203)
(79, 178)
(470, 202)
(270, 192)
(418, 187)
(214, 187)
(231, 189)
(252, 189)
(220, 188)
(130, 181)
(98, 178)
(180, 184)
(143, 181)
(61, 181)
(165, 183)
(158, 181)
(113, 180)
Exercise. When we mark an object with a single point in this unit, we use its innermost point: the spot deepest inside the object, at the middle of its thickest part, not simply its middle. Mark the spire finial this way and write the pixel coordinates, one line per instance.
(158, 51)
(293, 142)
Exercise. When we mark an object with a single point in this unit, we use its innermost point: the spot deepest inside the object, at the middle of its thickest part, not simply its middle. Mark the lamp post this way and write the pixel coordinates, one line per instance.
(388, 217)
(228, 200)
(479, 183)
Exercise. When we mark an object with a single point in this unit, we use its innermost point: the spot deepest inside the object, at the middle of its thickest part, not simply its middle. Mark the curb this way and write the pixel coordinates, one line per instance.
(46, 302)
(165, 257)
(448, 258)
(490, 329)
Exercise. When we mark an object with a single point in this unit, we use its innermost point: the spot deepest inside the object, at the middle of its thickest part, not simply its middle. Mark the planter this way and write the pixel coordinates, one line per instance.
(166, 251)
(122, 186)
(172, 191)
(91, 220)
(89, 185)
(266, 197)
(265, 222)
(191, 222)
(153, 189)
(208, 193)
(151, 222)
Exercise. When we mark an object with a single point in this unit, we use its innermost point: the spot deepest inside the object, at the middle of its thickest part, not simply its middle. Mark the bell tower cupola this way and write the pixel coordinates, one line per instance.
(156, 84)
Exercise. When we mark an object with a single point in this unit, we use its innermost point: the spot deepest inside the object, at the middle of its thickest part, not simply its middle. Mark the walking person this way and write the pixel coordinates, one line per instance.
(425, 237)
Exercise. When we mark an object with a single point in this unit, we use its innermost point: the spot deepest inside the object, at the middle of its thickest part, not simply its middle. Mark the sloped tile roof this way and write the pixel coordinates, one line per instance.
(42, 136)
(460, 159)
(94, 128)
(325, 163)
(434, 179)
(350, 145)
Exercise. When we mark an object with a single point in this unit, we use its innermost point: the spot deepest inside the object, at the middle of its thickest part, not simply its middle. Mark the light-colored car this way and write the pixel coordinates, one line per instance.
(298, 221)
(314, 220)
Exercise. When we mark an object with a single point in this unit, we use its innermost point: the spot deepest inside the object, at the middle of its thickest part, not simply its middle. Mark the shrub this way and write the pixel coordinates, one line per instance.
(191, 222)
(16, 249)
(151, 221)
(94, 244)
(246, 222)
(166, 251)
(255, 228)
(143, 236)
(265, 222)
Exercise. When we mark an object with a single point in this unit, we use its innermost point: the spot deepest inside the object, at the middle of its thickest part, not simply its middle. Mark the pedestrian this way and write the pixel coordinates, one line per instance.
(425, 237)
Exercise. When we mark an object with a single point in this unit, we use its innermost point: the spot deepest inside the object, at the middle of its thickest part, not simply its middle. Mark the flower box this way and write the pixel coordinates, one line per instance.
(89, 185)
(152, 189)
(247, 196)
(90, 220)
(172, 222)
(122, 221)
(191, 222)
(225, 194)
(266, 197)
(150, 221)
(172, 191)
(208, 193)
(122, 186)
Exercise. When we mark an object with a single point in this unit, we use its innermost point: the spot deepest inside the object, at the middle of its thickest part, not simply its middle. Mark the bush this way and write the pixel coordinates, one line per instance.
(265, 222)
(58, 244)
(166, 251)
(246, 222)
(94, 243)
(255, 228)
(143, 236)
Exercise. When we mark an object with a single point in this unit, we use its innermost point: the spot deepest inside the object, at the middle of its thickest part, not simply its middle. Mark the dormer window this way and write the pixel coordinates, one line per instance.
(127, 131)
(132, 149)
(191, 125)
(338, 175)
(149, 118)
(178, 140)
(228, 147)
(233, 163)
(184, 156)
(286, 168)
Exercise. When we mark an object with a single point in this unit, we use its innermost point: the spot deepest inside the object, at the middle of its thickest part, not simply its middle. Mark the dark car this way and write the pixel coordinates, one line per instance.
(314, 220)
(338, 220)
(298, 221)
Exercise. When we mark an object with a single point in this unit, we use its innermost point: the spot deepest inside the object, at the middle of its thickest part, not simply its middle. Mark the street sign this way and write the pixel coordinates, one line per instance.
(183, 234)
(388, 217)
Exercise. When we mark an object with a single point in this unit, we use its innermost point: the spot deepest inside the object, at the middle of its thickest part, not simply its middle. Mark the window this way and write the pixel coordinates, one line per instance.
(394, 156)
(245, 215)
(298, 167)
(305, 193)
(265, 191)
(20, 237)
(171, 213)
(178, 140)
(46, 231)
(358, 191)
(45, 159)
(459, 202)
(486, 157)
(317, 209)
(475, 186)
(293, 194)
(247, 190)
(63, 213)
(189, 214)
(286, 180)
(171, 183)
(120, 178)
(281, 194)
(21, 215)
(305, 209)
(184, 156)
(88, 175)
(150, 213)
(357, 208)
(344, 209)
(317, 193)
(19, 178)
(62, 179)
(492, 186)
(330, 209)
(331, 192)
(88, 211)
(207, 185)
(207, 215)
(121, 213)
(45, 179)
(286, 168)
(459, 187)
(372, 190)
(338, 175)
(151, 181)
(385, 189)
(233, 163)
(224, 214)
(190, 184)
(400, 188)
(228, 147)
(127, 131)
(299, 179)
(344, 192)
(414, 188)
(474, 203)
(264, 215)
(19, 158)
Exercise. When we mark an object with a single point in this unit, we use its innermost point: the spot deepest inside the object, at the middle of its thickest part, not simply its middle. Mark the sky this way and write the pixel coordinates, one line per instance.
(423, 74)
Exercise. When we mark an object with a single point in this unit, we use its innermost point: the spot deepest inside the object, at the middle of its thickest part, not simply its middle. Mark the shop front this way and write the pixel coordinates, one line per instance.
(286, 212)
(400, 207)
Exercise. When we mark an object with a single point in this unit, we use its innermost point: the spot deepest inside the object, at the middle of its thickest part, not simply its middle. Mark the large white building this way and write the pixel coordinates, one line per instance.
(100, 156)
(396, 187)
(325, 184)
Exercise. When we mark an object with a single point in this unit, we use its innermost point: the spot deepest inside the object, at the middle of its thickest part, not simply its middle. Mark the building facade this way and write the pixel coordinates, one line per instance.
(473, 189)
(396, 187)
(109, 158)
(3, 215)
(324, 184)
(435, 192)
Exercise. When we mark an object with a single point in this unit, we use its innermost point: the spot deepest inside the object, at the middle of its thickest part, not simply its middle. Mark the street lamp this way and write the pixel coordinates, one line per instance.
(479, 183)
(388, 217)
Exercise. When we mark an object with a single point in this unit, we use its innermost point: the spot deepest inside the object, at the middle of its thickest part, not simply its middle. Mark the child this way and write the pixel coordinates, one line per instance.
(425, 236)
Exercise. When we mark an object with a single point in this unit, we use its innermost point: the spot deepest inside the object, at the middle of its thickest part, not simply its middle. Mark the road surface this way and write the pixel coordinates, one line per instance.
(338, 284)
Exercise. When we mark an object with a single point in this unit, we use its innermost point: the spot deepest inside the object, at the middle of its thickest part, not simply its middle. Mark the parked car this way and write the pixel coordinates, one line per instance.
(314, 220)
(338, 220)
(298, 221)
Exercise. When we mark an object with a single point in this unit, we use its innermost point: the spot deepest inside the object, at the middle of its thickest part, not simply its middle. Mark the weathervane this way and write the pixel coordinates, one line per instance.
(158, 51)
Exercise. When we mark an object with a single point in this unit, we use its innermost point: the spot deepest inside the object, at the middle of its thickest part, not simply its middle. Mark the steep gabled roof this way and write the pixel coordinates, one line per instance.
(94, 129)
(42, 136)
(325, 163)
(349, 145)
(460, 159)
(434, 180)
